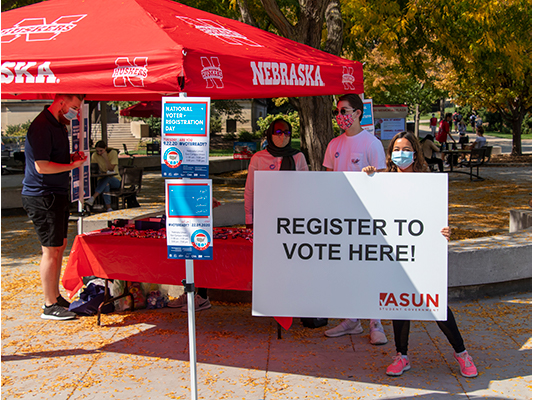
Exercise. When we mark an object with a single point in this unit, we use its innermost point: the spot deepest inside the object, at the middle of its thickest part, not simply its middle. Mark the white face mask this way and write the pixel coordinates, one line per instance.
(71, 114)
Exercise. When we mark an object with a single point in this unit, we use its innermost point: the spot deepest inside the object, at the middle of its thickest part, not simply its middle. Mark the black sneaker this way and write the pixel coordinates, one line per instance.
(57, 312)
(62, 302)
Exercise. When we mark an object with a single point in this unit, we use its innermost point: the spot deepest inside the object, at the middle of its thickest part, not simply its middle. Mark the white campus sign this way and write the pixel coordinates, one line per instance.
(349, 245)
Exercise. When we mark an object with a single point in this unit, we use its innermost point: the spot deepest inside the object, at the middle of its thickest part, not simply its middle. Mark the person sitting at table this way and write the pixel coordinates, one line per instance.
(428, 148)
(107, 160)
(480, 141)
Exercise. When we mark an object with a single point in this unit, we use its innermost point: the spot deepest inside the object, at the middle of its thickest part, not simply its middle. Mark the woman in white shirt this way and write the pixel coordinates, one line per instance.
(278, 156)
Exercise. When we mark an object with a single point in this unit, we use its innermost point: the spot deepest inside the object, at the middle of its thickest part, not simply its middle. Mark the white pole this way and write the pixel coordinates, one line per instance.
(189, 287)
(81, 170)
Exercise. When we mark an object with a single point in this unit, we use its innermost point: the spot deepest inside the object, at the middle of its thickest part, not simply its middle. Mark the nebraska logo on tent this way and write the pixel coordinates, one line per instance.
(412, 300)
(348, 78)
(213, 28)
(36, 29)
(25, 71)
(212, 72)
(133, 72)
(273, 73)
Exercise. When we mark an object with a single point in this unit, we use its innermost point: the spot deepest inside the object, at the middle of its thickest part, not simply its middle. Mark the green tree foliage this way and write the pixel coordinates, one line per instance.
(11, 4)
(292, 118)
(18, 130)
(482, 48)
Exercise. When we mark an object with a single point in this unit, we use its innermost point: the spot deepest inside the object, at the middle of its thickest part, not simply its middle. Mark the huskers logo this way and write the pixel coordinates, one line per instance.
(274, 74)
(38, 30)
(408, 300)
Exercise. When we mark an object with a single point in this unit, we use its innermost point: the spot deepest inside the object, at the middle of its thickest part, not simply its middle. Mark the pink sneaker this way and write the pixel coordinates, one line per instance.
(466, 364)
(399, 366)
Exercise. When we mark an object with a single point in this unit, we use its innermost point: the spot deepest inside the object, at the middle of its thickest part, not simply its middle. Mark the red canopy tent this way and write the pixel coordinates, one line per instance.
(144, 109)
(146, 49)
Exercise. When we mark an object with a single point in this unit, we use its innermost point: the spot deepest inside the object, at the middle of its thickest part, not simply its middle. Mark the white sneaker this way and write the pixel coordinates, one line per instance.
(199, 304)
(179, 302)
(346, 327)
(90, 201)
(377, 334)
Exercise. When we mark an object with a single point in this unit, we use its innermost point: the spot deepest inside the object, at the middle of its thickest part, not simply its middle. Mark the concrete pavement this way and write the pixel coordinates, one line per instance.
(144, 354)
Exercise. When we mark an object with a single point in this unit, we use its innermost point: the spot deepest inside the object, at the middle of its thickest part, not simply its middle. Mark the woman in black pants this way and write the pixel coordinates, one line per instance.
(405, 155)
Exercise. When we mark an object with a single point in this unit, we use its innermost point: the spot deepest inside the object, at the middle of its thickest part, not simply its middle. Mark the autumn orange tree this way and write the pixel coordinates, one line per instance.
(481, 47)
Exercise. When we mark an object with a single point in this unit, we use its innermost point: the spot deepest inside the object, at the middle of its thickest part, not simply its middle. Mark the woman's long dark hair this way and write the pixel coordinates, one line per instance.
(419, 164)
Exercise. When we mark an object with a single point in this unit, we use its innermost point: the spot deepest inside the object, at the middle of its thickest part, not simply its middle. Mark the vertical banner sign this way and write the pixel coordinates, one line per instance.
(361, 243)
(185, 137)
(80, 142)
(189, 219)
(368, 116)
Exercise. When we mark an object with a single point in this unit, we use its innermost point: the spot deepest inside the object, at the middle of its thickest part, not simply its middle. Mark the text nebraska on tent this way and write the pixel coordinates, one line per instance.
(273, 73)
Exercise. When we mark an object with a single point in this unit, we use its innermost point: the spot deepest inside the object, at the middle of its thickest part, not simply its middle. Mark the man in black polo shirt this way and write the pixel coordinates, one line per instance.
(45, 193)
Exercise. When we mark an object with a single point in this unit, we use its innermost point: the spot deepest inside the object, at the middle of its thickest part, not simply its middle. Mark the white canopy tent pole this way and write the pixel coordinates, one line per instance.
(189, 289)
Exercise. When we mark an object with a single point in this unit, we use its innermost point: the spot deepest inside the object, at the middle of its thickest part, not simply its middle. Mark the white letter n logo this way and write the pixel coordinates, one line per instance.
(211, 72)
(135, 73)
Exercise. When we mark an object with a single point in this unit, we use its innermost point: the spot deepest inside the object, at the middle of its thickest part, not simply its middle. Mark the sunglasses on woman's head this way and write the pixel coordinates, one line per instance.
(279, 132)
(342, 111)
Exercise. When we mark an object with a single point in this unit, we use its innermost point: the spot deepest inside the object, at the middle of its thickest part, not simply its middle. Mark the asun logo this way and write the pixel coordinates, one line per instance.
(348, 78)
(27, 72)
(211, 72)
(133, 72)
(273, 73)
(213, 28)
(411, 300)
(36, 29)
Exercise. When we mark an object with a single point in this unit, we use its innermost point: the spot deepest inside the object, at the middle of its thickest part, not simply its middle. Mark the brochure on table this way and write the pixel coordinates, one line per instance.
(189, 219)
(185, 137)
(80, 142)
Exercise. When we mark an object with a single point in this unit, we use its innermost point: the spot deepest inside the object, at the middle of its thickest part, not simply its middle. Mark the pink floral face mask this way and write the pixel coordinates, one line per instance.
(345, 121)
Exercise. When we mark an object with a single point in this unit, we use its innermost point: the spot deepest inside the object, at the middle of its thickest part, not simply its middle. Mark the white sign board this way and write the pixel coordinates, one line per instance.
(349, 245)
(387, 128)
(185, 137)
(189, 220)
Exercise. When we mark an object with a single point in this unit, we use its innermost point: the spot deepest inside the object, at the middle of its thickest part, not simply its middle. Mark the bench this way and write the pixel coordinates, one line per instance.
(152, 148)
(475, 159)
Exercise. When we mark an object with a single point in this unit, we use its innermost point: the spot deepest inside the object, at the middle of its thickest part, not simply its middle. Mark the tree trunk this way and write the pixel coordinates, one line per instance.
(247, 17)
(316, 129)
(517, 137)
(417, 121)
(514, 117)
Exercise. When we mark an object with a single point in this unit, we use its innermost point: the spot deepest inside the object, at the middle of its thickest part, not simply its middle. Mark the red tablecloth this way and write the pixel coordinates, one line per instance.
(145, 260)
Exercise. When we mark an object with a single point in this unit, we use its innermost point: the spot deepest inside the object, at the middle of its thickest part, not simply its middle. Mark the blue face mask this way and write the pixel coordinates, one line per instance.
(71, 114)
(403, 158)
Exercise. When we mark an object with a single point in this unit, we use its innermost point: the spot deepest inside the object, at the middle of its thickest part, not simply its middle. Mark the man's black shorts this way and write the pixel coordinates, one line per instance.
(50, 215)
